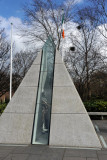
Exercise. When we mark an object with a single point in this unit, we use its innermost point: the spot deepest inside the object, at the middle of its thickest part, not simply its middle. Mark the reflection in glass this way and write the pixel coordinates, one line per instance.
(44, 98)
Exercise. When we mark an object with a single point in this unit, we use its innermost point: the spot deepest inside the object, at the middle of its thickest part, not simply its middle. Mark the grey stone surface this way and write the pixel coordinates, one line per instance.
(61, 77)
(102, 152)
(73, 130)
(16, 123)
(102, 126)
(66, 102)
(59, 152)
(102, 157)
(80, 153)
(43, 157)
(38, 58)
(92, 159)
(16, 128)
(58, 58)
(70, 123)
(74, 158)
(17, 157)
(34, 150)
(31, 77)
(5, 151)
(54, 150)
(19, 149)
(23, 101)
(42, 152)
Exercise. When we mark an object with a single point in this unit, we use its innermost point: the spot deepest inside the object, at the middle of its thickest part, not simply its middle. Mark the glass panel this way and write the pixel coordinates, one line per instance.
(44, 98)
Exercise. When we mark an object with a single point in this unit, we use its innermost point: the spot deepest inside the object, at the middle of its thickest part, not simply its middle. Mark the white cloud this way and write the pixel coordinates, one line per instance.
(70, 27)
(102, 38)
(19, 42)
(79, 1)
(73, 2)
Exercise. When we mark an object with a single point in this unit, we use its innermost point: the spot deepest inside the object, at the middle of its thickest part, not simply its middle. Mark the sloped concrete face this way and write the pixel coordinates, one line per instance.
(73, 130)
(60, 79)
(16, 128)
(16, 122)
(31, 78)
(60, 96)
(70, 123)
(21, 101)
(38, 58)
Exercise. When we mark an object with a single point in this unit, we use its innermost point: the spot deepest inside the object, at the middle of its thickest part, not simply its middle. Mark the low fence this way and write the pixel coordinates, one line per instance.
(102, 114)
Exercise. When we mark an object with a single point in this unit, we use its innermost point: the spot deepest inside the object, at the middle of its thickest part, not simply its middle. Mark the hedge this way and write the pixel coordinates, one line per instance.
(96, 106)
(2, 107)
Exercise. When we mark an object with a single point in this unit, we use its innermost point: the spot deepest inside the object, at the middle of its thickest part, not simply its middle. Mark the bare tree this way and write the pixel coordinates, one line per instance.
(98, 84)
(45, 18)
(4, 63)
(96, 13)
(101, 17)
(86, 59)
(21, 63)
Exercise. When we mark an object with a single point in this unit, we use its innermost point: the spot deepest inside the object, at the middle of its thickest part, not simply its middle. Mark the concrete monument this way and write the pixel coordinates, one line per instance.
(46, 108)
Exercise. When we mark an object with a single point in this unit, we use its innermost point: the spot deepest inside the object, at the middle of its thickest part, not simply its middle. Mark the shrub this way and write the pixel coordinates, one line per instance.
(2, 107)
(96, 106)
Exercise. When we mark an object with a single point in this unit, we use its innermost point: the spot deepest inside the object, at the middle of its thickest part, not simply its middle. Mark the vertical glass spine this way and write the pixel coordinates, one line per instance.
(44, 96)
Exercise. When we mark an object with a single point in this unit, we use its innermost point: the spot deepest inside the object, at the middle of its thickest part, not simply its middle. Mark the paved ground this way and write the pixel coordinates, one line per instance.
(101, 129)
(37, 152)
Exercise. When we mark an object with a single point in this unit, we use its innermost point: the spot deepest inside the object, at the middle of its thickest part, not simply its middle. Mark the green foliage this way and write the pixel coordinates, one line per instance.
(96, 106)
(2, 107)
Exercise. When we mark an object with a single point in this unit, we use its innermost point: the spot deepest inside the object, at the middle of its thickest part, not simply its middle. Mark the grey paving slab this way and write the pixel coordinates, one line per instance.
(102, 152)
(5, 151)
(74, 158)
(102, 157)
(2, 156)
(43, 157)
(92, 158)
(7, 147)
(34, 150)
(101, 123)
(80, 153)
(55, 150)
(102, 126)
(59, 152)
(34, 157)
(39, 152)
(17, 157)
(18, 150)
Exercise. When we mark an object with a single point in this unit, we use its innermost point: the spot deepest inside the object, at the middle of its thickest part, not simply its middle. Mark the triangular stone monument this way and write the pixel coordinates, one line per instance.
(68, 122)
